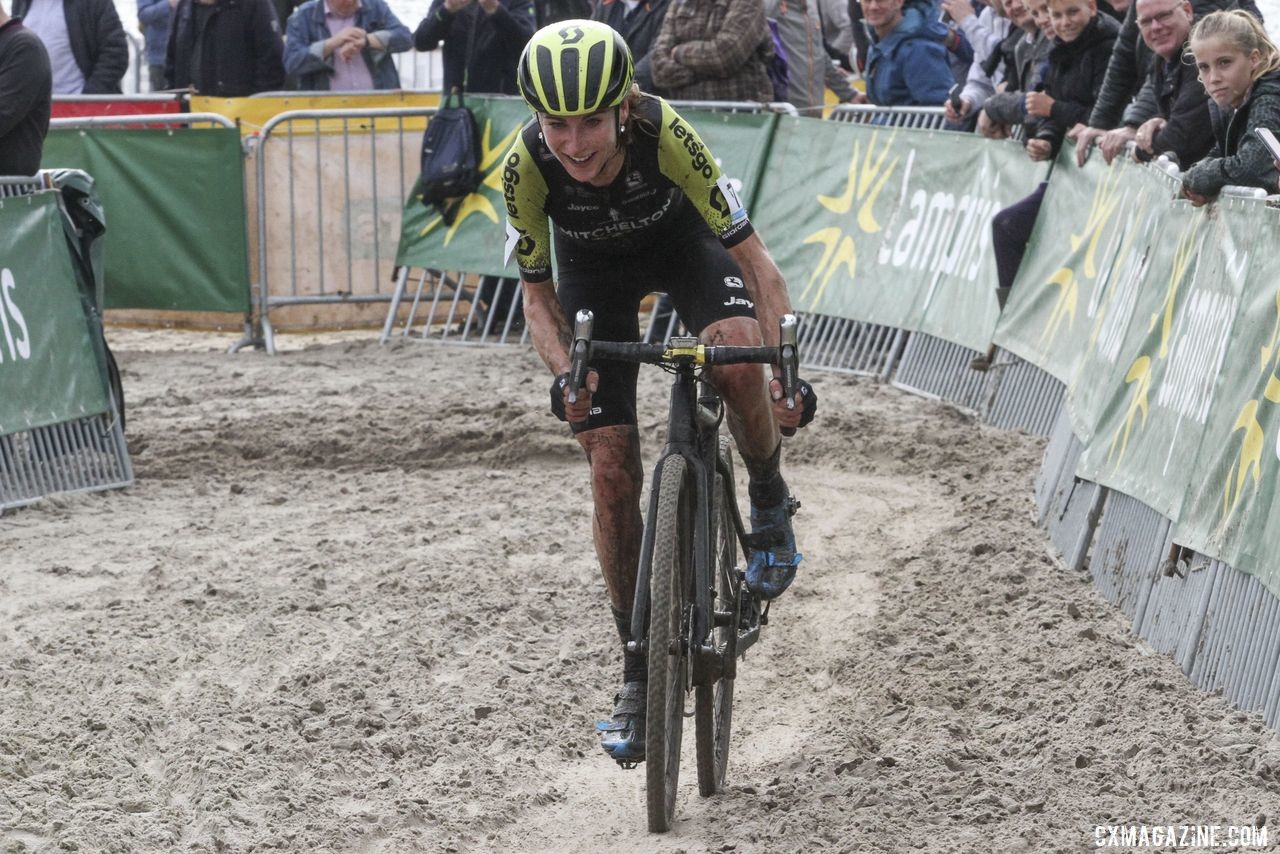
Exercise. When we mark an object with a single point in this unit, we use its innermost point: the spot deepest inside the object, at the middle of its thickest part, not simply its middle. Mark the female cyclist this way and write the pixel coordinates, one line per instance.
(639, 204)
(1240, 69)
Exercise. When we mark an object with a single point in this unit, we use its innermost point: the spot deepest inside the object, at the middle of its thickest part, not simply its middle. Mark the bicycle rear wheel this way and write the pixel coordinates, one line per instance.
(669, 588)
(713, 704)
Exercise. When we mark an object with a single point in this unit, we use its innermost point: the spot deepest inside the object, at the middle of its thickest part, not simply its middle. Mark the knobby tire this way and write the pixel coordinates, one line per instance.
(669, 573)
(713, 704)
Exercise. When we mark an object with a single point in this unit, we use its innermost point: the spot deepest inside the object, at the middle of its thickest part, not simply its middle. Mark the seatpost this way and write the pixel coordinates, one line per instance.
(581, 352)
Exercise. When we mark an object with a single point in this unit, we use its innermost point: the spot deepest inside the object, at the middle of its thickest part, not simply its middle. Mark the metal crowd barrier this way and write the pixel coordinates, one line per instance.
(82, 455)
(925, 118)
(1132, 543)
(850, 346)
(936, 368)
(1020, 396)
(321, 176)
(169, 120)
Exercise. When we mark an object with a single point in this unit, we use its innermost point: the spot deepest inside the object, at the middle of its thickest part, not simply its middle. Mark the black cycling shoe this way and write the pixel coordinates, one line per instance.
(622, 736)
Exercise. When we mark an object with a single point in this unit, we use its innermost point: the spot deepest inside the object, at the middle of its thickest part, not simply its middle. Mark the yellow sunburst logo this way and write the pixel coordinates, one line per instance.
(1183, 253)
(1139, 379)
(478, 202)
(870, 167)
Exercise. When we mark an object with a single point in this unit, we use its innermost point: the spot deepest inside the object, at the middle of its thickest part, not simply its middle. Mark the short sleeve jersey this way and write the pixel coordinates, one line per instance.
(668, 166)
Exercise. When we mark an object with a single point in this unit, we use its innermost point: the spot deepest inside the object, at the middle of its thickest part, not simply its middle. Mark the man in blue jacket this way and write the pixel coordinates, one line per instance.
(907, 63)
(344, 45)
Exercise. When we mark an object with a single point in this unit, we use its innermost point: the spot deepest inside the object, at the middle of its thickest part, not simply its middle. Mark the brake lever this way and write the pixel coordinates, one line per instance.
(789, 358)
(580, 353)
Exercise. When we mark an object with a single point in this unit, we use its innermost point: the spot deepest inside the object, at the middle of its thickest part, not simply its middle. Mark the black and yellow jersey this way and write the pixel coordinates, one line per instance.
(668, 168)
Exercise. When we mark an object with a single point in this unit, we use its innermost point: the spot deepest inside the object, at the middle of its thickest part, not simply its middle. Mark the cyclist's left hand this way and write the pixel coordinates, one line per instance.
(806, 404)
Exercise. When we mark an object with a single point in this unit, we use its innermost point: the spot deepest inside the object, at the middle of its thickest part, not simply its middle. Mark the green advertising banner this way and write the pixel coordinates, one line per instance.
(1232, 508)
(1089, 219)
(1140, 231)
(49, 370)
(890, 225)
(181, 192)
(1159, 387)
(474, 242)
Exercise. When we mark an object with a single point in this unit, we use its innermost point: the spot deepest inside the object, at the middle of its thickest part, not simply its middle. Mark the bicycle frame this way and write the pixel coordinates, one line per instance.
(693, 432)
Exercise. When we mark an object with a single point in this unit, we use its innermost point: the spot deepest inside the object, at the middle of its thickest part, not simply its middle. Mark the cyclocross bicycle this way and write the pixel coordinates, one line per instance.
(693, 615)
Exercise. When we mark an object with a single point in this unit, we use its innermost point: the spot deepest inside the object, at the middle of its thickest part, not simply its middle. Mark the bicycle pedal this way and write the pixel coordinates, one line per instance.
(627, 766)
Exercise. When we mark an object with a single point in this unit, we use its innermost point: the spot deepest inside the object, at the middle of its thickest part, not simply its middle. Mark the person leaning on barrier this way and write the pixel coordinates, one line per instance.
(713, 52)
(987, 32)
(26, 96)
(1240, 68)
(1024, 55)
(1127, 70)
(1171, 112)
(88, 51)
(1077, 62)
(225, 48)
(907, 65)
(344, 45)
(639, 203)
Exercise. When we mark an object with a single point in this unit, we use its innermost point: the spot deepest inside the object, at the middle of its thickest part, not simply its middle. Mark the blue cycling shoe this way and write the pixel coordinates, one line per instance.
(772, 564)
(622, 736)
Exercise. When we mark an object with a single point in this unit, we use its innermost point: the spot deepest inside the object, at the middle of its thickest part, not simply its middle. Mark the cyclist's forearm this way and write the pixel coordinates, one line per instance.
(549, 329)
(765, 284)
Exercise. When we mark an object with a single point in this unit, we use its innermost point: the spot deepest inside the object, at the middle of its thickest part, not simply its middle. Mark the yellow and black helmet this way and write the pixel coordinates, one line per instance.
(572, 68)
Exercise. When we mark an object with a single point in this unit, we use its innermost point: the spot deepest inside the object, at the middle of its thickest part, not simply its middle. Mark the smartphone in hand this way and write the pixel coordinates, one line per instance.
(1269, 140)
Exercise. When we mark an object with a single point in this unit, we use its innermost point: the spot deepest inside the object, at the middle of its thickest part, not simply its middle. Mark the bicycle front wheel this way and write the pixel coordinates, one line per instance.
(713, 704)
(669, 588)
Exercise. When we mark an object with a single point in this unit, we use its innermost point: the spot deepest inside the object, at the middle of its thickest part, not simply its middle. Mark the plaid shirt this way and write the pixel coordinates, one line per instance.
(713, 50)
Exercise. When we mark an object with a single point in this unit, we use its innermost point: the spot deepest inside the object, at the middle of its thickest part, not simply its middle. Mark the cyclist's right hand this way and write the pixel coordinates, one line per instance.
(578, 411)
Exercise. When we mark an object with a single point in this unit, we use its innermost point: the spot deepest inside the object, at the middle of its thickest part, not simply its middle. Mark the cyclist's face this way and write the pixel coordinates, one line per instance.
(586, 146)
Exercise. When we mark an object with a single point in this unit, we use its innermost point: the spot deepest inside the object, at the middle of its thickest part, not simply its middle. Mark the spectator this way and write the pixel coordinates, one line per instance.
(906, 64)
(225, 48)
(482, 41)
(344, 45)
(639, 22)
(482, 47)
(810, 71)
(88, 53)
(986, 32)
(555, 11)
(1127, 69)
(1240, 68)
(153, 21)
(1077, 63)
(26, 96)
(1171, 113)
(1028, 50)
(837, 31)
(709, 51)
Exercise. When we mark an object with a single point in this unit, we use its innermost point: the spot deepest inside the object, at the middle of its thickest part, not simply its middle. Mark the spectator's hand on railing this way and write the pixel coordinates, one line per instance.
(991, 129)
(1146, 135)
(1039, 149)
(1085, 137)
(1195, 198)
(1113, 142)
(1039, 104)
(859, 98)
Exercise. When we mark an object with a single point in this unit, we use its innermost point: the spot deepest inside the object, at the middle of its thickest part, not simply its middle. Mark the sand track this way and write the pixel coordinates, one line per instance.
(350, 605)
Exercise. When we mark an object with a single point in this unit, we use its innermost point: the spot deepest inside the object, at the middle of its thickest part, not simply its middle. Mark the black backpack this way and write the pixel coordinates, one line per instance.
(450, 158)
